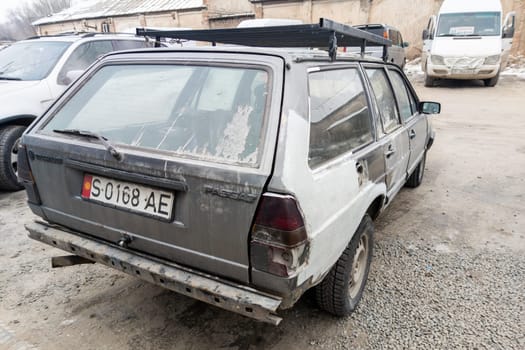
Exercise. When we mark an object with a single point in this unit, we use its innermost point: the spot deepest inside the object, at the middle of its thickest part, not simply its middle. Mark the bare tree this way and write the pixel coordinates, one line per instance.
(19, 25)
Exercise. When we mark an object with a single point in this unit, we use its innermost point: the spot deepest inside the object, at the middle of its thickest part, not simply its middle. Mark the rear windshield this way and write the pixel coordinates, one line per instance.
(213, 113)
(30, 60)
(374, 30)
(469, 24)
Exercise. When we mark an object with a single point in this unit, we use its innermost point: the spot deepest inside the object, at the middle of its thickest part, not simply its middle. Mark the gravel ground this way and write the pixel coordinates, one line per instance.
(448, 269)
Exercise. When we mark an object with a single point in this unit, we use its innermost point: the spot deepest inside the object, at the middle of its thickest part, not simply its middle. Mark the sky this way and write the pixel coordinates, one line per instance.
(6, 5)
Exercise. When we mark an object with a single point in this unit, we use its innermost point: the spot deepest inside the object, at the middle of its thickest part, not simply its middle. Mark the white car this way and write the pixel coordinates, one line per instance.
(33, 73)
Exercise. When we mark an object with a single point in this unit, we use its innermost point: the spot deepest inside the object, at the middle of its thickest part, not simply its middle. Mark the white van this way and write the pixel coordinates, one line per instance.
(466, 40)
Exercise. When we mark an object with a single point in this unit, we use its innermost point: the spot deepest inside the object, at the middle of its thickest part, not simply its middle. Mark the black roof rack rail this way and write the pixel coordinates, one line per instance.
(325, 34)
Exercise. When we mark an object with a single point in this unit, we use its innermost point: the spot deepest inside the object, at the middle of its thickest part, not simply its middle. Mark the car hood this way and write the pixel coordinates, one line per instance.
(23, 98)
(473, 47)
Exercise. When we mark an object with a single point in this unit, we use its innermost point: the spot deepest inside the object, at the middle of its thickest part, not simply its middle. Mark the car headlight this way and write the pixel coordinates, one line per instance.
(437, 60)
(492, 59)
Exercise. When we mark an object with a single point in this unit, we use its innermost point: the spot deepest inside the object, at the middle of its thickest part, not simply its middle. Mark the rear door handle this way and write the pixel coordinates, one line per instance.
(412, 134)
(391, 150)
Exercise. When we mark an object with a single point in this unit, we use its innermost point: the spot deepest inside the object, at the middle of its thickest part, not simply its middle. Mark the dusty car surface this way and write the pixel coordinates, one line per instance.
(33, 73)
(238, 176)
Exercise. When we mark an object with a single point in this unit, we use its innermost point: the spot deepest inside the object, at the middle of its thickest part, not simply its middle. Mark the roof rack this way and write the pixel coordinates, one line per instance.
(325, 34)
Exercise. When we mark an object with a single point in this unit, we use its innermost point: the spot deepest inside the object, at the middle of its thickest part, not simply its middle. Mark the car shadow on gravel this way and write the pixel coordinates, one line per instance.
(153, 317)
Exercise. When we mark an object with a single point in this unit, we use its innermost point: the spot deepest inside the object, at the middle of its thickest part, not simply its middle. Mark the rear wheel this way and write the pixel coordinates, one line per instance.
(340, 291)
(9, 157)
(492, 81)
(417, 176)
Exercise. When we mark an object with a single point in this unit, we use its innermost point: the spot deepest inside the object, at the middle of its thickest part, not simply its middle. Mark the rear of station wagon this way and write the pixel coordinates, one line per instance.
(235, 176)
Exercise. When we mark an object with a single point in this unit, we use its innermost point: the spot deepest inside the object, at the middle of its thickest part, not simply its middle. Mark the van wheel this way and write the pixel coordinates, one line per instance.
(492, 81)
(340, 291)
(9, 157)
(429, 81)
(417, 176)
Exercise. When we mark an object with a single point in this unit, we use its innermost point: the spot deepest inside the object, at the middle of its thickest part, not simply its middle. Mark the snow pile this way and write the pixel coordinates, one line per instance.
(515, 66)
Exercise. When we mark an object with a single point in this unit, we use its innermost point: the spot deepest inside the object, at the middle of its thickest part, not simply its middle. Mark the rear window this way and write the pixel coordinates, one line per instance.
(204, 112)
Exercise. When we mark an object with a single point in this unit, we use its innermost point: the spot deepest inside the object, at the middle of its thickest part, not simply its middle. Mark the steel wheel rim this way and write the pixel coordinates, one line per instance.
(359, 265)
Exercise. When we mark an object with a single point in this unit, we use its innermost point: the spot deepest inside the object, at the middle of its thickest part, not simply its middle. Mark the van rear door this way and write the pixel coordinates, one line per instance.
(166, 155)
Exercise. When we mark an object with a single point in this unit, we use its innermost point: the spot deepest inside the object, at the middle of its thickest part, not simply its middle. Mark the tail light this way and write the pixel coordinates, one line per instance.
(279, 242)
(25, 176)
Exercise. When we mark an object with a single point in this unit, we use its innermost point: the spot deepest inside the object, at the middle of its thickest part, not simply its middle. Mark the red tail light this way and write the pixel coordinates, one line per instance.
(25, 176)
(278, 238)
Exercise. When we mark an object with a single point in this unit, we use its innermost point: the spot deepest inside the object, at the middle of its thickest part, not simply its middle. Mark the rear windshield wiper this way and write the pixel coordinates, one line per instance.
(93, 135)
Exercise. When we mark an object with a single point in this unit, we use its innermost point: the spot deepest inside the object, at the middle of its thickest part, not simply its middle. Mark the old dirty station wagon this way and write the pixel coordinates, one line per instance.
(238, 176)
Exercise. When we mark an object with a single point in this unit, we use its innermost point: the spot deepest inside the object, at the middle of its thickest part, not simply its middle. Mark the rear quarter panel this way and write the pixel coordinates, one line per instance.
(333, 198)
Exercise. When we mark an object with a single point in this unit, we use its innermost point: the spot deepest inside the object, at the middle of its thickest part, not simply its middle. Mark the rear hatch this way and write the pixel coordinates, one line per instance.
(164, 153)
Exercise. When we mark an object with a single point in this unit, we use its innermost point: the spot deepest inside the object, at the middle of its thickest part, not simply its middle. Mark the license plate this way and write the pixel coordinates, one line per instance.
(128, 196)
(463, 71)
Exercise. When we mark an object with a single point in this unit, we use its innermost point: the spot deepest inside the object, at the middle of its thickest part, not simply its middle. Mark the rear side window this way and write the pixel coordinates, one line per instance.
(340, 119)
(402, 97)
(384, 97)
(188, 110)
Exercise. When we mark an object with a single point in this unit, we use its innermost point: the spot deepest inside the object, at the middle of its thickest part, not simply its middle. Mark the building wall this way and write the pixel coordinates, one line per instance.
(187, 19)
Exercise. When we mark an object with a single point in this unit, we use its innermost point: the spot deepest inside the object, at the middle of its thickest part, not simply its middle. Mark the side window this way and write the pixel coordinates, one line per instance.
(84, 55)
(340, 119)
(131, 44)
(400, 90)
(384, 97)
(393, 36)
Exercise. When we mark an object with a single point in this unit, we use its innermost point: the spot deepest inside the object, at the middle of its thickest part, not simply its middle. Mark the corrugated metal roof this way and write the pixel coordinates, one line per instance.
(107, 8)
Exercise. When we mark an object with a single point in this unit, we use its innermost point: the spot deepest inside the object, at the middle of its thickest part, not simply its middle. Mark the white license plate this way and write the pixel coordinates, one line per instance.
(129, 196)
(462, 71)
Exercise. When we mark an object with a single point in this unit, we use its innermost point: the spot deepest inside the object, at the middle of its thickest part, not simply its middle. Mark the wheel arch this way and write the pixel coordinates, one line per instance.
(23, 120)
(374, 209)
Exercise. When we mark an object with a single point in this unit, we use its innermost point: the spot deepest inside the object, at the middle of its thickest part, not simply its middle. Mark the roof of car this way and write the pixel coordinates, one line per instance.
(75, 36)
(288, 54)
(375, 25)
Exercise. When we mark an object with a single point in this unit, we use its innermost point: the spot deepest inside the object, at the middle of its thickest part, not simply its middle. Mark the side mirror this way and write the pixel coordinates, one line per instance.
(70, 77)
(425, 34)
(405, 44)
(509, 25)
(430, 107)
(508, 32)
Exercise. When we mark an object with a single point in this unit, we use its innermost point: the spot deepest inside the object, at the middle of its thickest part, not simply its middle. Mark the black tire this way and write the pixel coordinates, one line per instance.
(492, 81)
(416, 178)
(8, 166)
(429, 81)
(335, 294)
